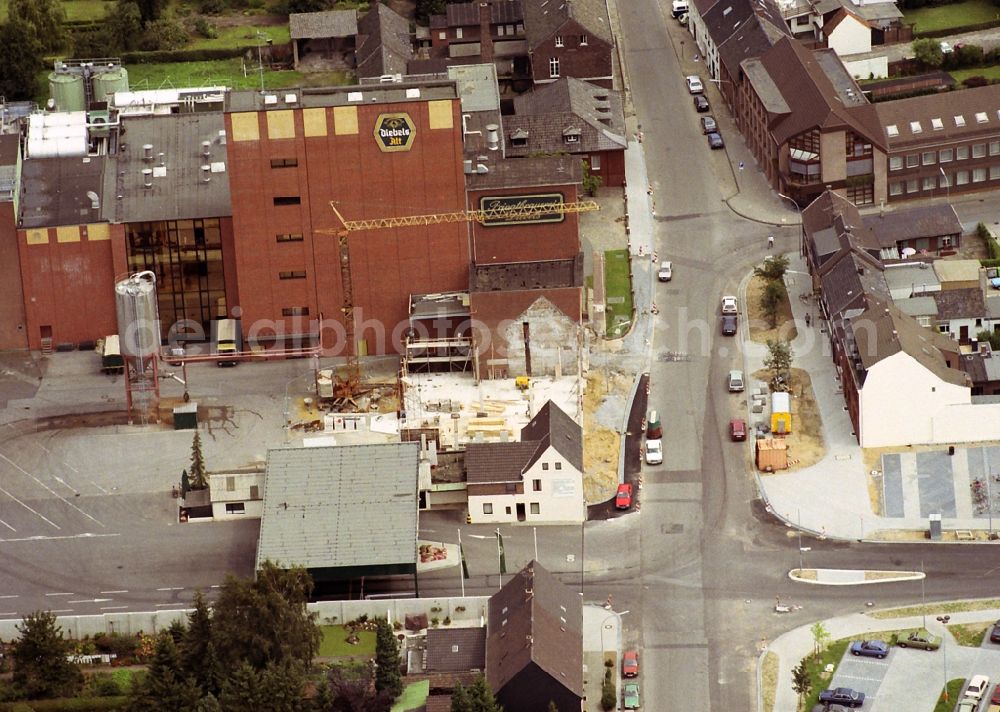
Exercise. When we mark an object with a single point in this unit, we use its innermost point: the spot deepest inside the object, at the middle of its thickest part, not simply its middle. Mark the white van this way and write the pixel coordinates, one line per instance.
(678, 8)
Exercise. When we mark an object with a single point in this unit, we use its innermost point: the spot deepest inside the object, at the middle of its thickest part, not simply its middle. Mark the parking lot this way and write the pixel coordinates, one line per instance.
(913, 679)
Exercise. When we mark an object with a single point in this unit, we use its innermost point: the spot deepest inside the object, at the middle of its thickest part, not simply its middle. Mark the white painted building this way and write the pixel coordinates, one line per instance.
(236, 495)
(846, 33)
(538, 479)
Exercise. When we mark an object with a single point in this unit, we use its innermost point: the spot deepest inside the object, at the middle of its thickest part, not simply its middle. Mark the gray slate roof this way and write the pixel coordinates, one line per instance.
(497, 462)
(960, 304)
(383, 42)
(542, 18)
(57, 191)
(456, 649)
(318, 25)
(913, 223)
(179, 194)
(463, 14)
(567, 104)
(342, 506)
(849, 280)
(535, 618)
(552, 427)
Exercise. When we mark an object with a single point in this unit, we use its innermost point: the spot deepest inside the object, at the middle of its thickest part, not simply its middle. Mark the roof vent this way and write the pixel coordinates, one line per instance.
(163, 159)
(467, 167)
(492, 138)
(291, 98)
(147, 152)
(206, 173)
(95, 200)
(270, 99)
(206, 148)
(147, 177)
(482, 168)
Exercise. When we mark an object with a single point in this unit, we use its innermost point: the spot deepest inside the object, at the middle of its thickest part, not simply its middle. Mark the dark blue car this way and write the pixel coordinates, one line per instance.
(870, 648)
(842, 696)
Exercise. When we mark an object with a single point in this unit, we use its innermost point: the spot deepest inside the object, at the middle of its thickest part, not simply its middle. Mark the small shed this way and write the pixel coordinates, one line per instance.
(772, 454)
(781, 414)
(330, 35)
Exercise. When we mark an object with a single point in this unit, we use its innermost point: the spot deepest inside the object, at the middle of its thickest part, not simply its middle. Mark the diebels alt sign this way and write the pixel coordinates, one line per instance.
(522, 209)
(394, 132)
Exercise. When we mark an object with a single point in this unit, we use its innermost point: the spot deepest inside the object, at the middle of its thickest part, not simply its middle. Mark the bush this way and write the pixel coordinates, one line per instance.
(102, 684)
(164, 34)
(70, 704)
(976, 81)
(212, 7)
(990, 263)
(181, 55)
(609, 695)
(205, 29)
(992, 247)
(124, 646)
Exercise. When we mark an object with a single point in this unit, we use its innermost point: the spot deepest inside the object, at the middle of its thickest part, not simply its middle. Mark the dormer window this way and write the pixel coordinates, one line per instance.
(981, 117)
(571, 136)
(519, 138)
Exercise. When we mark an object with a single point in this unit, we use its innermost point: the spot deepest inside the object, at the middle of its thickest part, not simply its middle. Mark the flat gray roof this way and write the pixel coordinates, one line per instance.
(341, 506)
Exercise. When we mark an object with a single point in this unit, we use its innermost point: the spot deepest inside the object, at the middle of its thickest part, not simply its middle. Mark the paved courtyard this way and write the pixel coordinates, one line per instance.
(917, 484)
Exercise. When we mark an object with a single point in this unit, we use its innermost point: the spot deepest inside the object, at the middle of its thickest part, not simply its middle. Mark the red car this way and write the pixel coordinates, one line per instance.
(630, 664)
(737, 429)
(623, 500)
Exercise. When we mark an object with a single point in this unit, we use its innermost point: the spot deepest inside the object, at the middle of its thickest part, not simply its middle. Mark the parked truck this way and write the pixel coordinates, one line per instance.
(227, 340)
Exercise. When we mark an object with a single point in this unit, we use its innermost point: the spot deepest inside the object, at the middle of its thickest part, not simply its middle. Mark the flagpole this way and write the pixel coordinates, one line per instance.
(461, 562)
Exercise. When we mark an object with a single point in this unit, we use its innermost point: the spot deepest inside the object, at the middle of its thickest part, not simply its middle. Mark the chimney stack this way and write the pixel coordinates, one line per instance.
(147, 152)
(147, 177)
(492, 137)
(206, 149)
(206, 174)
(485, 34)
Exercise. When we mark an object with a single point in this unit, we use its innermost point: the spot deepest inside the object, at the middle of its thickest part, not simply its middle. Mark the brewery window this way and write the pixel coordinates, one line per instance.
(288, 237)
(287, 200)
(595, 162)
(284, 162)
(554, 67)
(535, 509)
(292, 274)
(583, 40)
(559, 41)
(536, 485)
(487, 508)
(230, 484)
(235, 508)
(295, 311)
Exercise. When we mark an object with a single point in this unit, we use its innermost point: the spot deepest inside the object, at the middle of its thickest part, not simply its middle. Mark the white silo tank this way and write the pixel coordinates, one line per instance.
(138, 321)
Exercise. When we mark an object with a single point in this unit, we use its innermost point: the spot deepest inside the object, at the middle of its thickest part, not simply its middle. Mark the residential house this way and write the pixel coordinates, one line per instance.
(534, 644)
(982, 365)
(957, 274)
(383, 43)
(918, 230)
(571, 38)
(459, 31)
(961, 313)
(912, 280)
(236, 495)
(326, 36)
(537, 479)
(847, 33)
(571, 116)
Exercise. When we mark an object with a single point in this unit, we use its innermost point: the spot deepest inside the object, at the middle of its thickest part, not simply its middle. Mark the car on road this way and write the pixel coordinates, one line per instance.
(730, 305)
(842, 696)
(715, 140)
(967, 704)
(734, 382)
(729, 325)
(870, 648)
(694, 84)
(666, 271)
(737, 429)
(630, 664)
(623, 498)
(654, 452)
(918, 638)
(995, 633)
(631, 697)
(700, 103)
(708, 125)
(978, 686)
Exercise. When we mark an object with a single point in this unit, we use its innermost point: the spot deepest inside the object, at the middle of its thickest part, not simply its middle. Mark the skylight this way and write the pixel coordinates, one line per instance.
(959, 121)
(981, 117)
(937, 124)
(892, 130)
(915, 127)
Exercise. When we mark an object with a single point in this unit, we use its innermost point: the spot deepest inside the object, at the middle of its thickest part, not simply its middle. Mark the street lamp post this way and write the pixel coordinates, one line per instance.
(947, 183)
(944, 651)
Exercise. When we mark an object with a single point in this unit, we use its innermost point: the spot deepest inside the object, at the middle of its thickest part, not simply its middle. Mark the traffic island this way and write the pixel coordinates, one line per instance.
(851, 577)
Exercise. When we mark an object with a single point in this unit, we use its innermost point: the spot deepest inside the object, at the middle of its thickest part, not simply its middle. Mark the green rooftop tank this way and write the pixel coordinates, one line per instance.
(67, 92)
(108, 81)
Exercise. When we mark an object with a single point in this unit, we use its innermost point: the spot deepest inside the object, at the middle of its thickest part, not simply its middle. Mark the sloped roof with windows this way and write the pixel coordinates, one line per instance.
(542, 18)
(933, 119)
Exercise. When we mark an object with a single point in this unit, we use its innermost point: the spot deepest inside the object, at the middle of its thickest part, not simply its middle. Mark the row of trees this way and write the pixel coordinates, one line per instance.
(779, 352)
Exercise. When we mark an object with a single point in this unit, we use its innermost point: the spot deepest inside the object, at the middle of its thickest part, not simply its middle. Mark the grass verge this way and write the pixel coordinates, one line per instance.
(960, 75)
(240, 36)
(618, 293)
(225, 72)
(953, 15)
(335, 645)
(769, 679)
(760, 327)
(937, 608)
(414, 696)
(947, 702)
(816, 666)
(969, 634)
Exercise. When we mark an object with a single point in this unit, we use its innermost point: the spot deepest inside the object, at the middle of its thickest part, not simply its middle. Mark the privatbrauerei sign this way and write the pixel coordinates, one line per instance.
(525, 203)
(394, 132)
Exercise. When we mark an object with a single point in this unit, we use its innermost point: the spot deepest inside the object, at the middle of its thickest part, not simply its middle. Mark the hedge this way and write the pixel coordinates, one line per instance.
(990, 263)
(67, 704)
(947, 32)
(992, 248)
(183, 55)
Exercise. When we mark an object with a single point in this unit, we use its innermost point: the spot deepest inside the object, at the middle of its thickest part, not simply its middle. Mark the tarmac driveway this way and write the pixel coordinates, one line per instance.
(862, 674)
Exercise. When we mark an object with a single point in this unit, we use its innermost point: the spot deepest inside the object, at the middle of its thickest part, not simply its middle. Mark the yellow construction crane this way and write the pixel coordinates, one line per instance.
(347, 386)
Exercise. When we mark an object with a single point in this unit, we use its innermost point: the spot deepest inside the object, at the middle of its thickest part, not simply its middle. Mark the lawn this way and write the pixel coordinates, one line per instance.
(953, 15)
(618, 293)
(970, 634)
(833, 654)
(245, 36)
(961, 75)
(225, 72)
(76, 10)
(335, 645)
(413, 697)
(954, 688)
(934, 609)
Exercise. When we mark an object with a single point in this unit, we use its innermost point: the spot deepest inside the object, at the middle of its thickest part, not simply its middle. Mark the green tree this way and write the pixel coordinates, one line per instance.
(308, 5)
(773, 268)
(164, 34)
(989, 337)
(821, 637)
(199, 659)
(198, 478)
(149, 10)
(41, 669)
(426, 8)
(590, 182)
(460, 701)
(771, 300)
(482, 697)
(20, 61)
(242, 691)
(352, 689)
(778, 362)
(208, 703)
(609, 694)
(264, 620)
(928, 52)
(44, 17)
(387, 676)
(801, 682)
(164, 687)
(123, 27)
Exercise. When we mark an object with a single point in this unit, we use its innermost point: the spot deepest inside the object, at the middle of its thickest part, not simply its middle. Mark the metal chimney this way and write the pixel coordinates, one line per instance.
(163, 159)
(492, 137)
(206, 149)
(147, 152)
(147, 177)
(206, 173)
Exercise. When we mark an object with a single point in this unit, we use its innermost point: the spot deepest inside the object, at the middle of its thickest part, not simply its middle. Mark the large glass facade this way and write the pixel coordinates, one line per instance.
(186, 256)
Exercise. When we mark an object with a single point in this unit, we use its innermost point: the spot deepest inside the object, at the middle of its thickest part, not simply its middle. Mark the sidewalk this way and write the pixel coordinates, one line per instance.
(602, 635)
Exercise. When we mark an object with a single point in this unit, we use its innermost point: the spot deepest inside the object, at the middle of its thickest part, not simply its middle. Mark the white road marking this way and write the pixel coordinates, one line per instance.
(85, 535)
(39, 514)
(8, 596)
(9, 613)
(175, 588)
(49, 489)
(8, 525)
(158, 605)
(122, 591)
(91, 600)
(60, 594)
(99, 487)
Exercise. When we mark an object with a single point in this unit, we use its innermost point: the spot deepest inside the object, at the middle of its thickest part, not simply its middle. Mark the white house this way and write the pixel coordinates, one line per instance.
(847, 33)
(538, 479)
(236, 495)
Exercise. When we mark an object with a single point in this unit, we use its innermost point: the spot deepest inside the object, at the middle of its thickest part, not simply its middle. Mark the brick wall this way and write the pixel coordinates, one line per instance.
(13, 332)
(526, 242)
(591, 61)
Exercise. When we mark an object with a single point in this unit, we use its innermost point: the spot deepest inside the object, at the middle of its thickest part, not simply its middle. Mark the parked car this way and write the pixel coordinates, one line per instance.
(715, 140)
(654, 431)
(842, 696)
(708, 125)
(666, 272)
(700, 103)
(623, 499)
(730, 305)
(946, 48)
(918, 638)
(630, 664)
(694, 84)
(631, 697)
(978, 686)
(967, 704)
(654, 452)
(995, 633)
(678, 8)
(870, 648)
(737, 429)
(734, 382)
(995, 700)
(729, 325)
